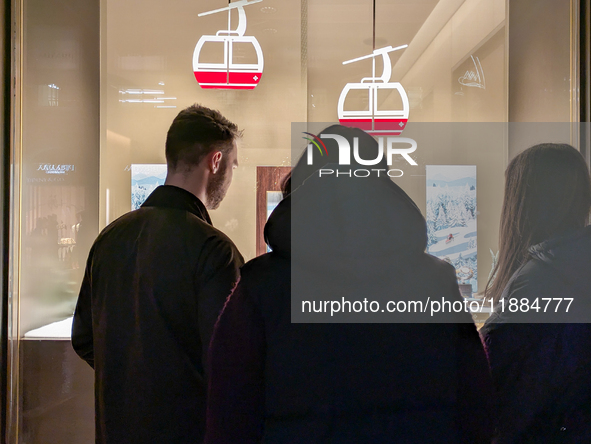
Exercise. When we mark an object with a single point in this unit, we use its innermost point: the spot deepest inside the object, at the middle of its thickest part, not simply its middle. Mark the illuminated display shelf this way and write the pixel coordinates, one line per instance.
(56, 330)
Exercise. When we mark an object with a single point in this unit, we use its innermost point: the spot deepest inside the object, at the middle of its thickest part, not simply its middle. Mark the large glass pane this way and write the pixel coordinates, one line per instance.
(59, 211)
(103, 79)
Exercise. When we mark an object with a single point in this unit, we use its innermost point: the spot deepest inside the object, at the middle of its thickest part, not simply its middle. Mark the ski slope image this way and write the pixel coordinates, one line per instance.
(144, 179)
(451, 219)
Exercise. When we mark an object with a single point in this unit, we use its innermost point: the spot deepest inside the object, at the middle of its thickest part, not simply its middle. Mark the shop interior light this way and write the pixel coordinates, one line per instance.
(142, 101)
(141, 91)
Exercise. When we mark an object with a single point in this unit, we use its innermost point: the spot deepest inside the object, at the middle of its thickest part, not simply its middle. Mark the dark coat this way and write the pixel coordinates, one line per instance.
(155, 282)
(542, 368)
(274, 381)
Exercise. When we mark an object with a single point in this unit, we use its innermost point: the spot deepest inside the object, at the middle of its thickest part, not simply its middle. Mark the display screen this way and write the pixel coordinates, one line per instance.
(144, 179)
(451, 220)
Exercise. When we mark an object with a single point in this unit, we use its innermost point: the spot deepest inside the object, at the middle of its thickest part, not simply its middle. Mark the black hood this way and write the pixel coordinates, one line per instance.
(278, 228)
(347, 224)
(353, 238)
(570, 256)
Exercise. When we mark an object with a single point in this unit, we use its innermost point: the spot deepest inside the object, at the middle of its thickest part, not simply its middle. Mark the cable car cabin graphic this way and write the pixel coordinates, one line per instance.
(226, 73)
(375, 120)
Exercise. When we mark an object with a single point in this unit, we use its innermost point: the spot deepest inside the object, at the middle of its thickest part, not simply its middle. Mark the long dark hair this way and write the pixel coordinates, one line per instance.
(547, 193)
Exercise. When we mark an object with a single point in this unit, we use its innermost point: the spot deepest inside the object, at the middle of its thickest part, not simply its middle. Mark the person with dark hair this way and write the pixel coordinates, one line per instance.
(540, 356)
(155, 282)
(274, 381)
(286, 185)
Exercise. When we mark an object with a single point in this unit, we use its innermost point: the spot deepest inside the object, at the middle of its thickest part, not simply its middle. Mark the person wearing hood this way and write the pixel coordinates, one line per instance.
(345, 377)
(538, 340)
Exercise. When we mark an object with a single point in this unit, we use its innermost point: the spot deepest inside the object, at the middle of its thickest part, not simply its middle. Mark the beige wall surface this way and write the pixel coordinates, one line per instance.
(541, 76)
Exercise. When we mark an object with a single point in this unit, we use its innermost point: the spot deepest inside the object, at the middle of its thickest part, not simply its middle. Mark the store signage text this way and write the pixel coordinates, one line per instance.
(56, 169)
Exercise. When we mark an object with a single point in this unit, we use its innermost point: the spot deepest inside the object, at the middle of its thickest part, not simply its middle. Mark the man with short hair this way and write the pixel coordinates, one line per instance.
(155, 282)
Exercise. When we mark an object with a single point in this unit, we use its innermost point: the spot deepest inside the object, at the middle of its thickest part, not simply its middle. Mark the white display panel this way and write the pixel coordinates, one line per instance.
(56, 330)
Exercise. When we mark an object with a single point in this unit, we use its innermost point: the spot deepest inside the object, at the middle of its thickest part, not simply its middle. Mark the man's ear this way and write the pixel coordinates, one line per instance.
(214, 161)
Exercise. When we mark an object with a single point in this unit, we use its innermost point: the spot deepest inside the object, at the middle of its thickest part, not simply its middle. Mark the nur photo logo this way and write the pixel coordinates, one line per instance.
(387, 146)
(384, 124)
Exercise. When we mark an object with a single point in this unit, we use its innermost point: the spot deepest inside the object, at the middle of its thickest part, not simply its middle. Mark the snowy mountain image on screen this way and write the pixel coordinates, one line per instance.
(144, 179)
(451, 218)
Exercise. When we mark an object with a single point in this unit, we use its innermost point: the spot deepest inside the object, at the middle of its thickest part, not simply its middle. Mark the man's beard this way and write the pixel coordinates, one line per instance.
(216, 188)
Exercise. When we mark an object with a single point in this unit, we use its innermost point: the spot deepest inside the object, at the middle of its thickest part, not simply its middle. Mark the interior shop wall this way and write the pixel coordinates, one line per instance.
(474, 32)
(540, 81)
(151, 48)
(442, 51)
(60, 145)
(441, 37)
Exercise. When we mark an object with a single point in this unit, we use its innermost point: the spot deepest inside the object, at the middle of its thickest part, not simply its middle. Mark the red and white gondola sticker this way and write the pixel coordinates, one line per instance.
(376, 120)
(228, 73)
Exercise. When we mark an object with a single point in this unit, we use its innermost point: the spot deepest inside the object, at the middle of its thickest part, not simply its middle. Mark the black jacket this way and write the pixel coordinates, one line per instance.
(274, 381)
(155, 282)
(541, 362)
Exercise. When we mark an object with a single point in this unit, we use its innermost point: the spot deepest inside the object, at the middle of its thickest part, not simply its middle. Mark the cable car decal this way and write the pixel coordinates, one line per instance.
(228, 74)
(375, 121)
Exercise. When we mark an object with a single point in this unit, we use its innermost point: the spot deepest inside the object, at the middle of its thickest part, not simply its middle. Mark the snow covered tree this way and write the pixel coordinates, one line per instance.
(431, 236)
(463, 217)
(457, 215)
(469, 202)
(441, 222)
